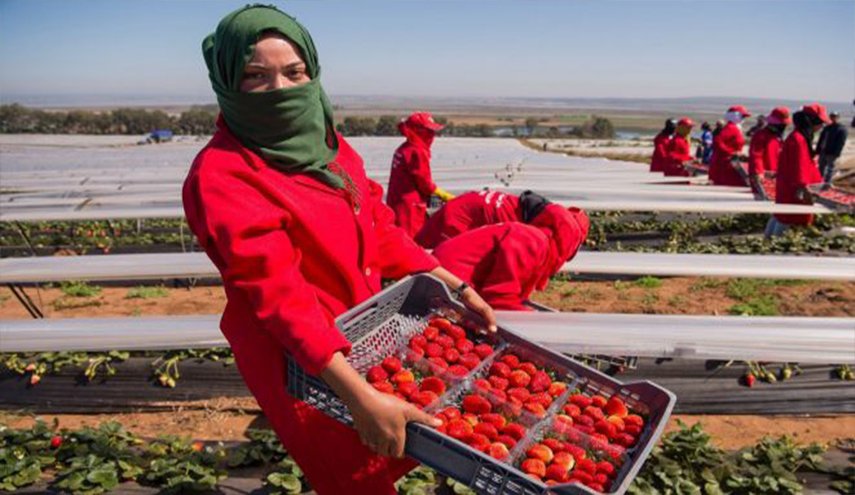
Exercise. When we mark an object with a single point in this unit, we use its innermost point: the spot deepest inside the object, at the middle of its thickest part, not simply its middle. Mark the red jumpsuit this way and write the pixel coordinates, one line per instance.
(466, 212)
(727, 143)
(293, 254)
(763, 152)
(503, 262)
(677, 152)
(796, 169)
(660, 145)
(410, 182)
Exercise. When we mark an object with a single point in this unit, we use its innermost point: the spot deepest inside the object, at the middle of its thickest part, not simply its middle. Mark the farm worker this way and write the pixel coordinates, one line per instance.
(797, 168)
(282, 206)
(660, 143)
(478, 208)
(727, 145)
(765, 148)
(705, 148)
(832, 140)
(410, 182)
(506, 262)
(679, 151)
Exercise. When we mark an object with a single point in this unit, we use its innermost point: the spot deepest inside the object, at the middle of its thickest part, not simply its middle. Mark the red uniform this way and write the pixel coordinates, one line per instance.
(502, 262)
(797, 169)
(466, 212)
(410, 181)
(726, 145)
(660, 145)
(677, 152)
(763, 152)
(293, 254)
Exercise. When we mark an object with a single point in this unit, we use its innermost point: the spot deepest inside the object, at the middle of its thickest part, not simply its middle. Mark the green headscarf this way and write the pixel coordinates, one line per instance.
(290, 127)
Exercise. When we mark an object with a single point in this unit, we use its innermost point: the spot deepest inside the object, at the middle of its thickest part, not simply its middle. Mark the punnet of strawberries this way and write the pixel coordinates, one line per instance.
(835, 195)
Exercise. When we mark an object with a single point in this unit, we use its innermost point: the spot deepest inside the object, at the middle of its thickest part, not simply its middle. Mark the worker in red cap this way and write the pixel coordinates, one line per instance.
(506, 262)
(727, 145)
(660, 145)
(410, 182)
(478, 208)
(797, 168)
(765, 148)
(679, 151)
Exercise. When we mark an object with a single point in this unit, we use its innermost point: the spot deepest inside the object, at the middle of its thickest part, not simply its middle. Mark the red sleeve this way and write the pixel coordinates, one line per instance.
(773, 154)
(807, 171)
(399, 253)
(516, 255)
(248, 234)
(418, 164)
(756, 154)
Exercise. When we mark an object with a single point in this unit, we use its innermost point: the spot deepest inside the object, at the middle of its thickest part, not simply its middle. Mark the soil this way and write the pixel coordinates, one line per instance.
(678, 295)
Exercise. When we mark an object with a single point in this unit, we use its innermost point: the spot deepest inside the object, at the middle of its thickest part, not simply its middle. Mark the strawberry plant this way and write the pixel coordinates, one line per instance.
(179, 466)
(420, 481)
(263, 448)
(24, 454)
(286, 479)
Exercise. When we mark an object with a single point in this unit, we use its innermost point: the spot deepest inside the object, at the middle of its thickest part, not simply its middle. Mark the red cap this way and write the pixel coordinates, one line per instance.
(779, 115)
(817, 111)
(686, 121)
(741, 109)
(424, 119)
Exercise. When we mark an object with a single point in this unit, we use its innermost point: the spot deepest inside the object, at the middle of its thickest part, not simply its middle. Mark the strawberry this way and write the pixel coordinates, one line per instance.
(459, 429)
(513, 406)
(494, 419)
(424, 398)
(498, 451)
(445, 341)
(437, 365)
(401, 396)
(556, 472)
(598, 401)
(487, 430)
(633, 430)
(577, 452)
(586, 429)
(606, 428)
(521, 394)
(392, 365)
(601, 479)
(414, 355)
(451, 413)
(594, 412)
(476, 404)
(458, 371)
(376, 374)
(55, 442)
(35, 379)
(534, 467)
(581, 476)
(419, 341)
(433, 384)
(431, 333)
(605, 467)
(483, 350)
(403, 376)
(540, 451)
(500, 369)
(514, 430)
(519, 379)
(616, 407)
(634, 419)
(542, 398)
(407, 389)
(456, 332)
(540, 382)
(385, 387)
(584, 420)
(618, 422)
(529, 368)
(596, 486)
(197, 446)
(586, 465)
(479, 442)
(472, 419)
(598, 441)
(440, 323)
(557, 388)
(510, 360)
(464, 346)
(572, 410)
(554, 444)
(572, 437)
(580, 400)
(497, 396)
(433, 350)
(565, 459)
(481, 385)
(507, 440)
(535, 408)
(562, 423)
(470, 361)
(451, 355)
(499, 382)
(625, 440)
(748, 379)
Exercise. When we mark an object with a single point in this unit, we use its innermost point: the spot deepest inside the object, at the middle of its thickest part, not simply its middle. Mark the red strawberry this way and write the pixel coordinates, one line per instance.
(513, 406)
(540, 382)
(497, 396)
(562, 423)
(500, 369)
(519, 379)
(55, 442)
(508, 440)
(598, 441)
(482, 385)
(434, 385)
(581, 476)
(510, 360)
(584, 420)
(472, 419)
(407, 389)
(470, 361)
(625, 440)
(403, 376)
(197, 446)
(596, 486)
(459, 429)
(556, 472)
(594, 412)
(434, 350)
(529, 368)
(440, 323)
(543, 398)
(415, 355)
(431, 333)
(616, 407)
(534, 467)
(451, 413)
(535, 408)
(586, 429)
(605, 467)
(557, 388)
(598, 401)
(458, 371)
(476, 404)
(445, 341)
(437, 365)
(479, 442)
(580, 400)
(577, 452)
(634, 419)
(418, 341)
(633, 430)
(540, 451)
(498, 451)
(392, 365)
(464, 346)
(618, 422)
(376, 374)
(499, 382)
(748, 379)
(451, 355)
(606, 428)
(600, 480)
(572, 410)
(424, 398)
(514, 430)
(487, 430)
(483, 350)
(586, 465)
(565, 459)
(494, 419)
(456, 333)
(385, 387)
(554, 444)
(522, 394)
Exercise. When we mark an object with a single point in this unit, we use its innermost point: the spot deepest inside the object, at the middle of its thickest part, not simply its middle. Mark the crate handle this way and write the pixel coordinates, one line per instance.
(359, 314)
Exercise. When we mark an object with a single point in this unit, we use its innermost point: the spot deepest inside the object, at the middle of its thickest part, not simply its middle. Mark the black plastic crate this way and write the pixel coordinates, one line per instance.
(382, 326)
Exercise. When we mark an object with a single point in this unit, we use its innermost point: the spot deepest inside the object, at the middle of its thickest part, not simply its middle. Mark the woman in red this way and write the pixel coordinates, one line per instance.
(410, 182)
(660, 145)
(727, 145)
(797, 168)
(506, 262)
(765, 148)
(679, 151)
(282, 206)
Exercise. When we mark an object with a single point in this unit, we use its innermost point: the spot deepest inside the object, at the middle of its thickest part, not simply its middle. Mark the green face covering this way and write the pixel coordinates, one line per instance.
(292, 128)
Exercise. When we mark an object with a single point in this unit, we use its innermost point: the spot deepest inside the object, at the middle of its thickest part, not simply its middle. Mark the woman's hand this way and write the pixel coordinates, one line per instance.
(380, 419)
(469, 297)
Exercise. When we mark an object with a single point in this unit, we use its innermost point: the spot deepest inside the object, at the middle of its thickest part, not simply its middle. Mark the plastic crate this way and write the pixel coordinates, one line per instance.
(382, 325)
(833, 198)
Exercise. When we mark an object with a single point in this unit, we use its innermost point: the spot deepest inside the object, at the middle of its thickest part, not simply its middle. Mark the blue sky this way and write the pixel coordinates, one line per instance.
(633, 48)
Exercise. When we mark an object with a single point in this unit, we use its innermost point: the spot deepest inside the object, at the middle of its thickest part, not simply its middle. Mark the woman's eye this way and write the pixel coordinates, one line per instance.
(254, 76)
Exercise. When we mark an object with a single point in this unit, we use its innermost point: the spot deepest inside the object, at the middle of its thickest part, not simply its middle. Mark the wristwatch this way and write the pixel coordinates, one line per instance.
(458, 292)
